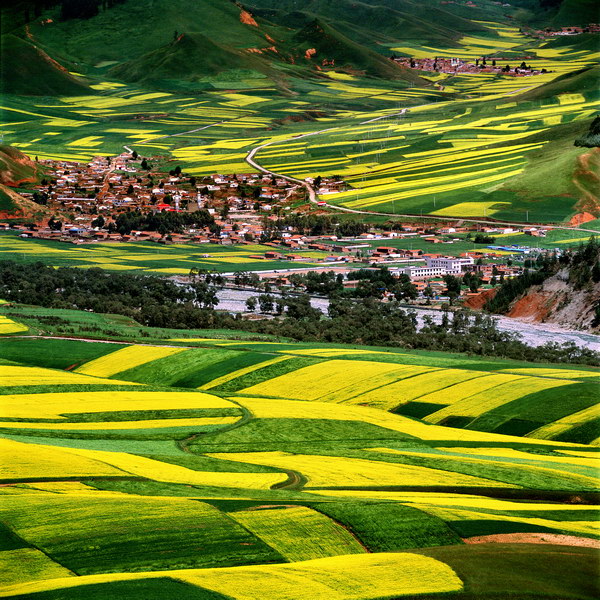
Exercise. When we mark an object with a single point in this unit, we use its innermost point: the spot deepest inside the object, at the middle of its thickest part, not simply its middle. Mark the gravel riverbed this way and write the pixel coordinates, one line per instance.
(533, 334)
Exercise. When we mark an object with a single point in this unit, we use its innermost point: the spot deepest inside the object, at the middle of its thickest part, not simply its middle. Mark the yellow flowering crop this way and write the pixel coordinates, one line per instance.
(235, 374)
(422, 381)
(124, 359)
(382, 575)
(269, 408)
(541, 469)
(118, 425)
(26, 564)
(298, 532)
(332, 381)
(55, 405)
(30, 461)
(9, 326)
(457, 391)
(160, 471)
(22, 376)
(557, 373)
(561, 425)
(478, 404)
(336, 471)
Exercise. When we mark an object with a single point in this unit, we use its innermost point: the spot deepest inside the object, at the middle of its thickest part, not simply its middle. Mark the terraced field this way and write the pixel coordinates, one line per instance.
(149, 258)
(485, 135)
(214, 469)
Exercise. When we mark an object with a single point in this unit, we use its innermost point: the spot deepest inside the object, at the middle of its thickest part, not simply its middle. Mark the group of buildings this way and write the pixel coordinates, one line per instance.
(457, 66)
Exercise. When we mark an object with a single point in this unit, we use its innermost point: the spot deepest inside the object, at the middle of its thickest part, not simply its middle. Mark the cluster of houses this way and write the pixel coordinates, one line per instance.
(243, 207)
(456, 66)
(563, 31)
(80, 193)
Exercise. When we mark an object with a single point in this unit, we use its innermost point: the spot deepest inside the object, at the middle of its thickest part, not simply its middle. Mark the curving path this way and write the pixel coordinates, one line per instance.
(314, 198)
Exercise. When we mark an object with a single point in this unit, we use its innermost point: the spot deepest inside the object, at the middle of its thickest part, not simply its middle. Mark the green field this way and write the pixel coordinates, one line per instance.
(470, 145)
(175, 461)
(199, 464)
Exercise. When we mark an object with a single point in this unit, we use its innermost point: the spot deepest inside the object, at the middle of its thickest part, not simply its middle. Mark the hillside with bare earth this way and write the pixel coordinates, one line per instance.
(17, 168)
(586, 179)
(557, 301)
(15, 206)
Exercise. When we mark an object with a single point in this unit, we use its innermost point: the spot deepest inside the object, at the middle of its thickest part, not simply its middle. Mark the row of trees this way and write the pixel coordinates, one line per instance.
(163, 222)
(581, 264)
(158, 302)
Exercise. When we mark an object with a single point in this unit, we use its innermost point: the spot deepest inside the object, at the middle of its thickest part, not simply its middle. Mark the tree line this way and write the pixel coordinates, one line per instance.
(581, 265)
(157, 302)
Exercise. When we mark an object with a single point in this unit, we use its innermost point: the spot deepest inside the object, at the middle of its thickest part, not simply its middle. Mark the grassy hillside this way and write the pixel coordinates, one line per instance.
(133, 28)
(577, 12)
(190, 57)
(28, 70)
(370, 21)
(331, 45)
(585, 81)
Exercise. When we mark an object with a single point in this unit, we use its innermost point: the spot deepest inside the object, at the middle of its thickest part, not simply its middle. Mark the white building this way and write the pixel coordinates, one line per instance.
(436, 267)
(451, 264)
(421, 272)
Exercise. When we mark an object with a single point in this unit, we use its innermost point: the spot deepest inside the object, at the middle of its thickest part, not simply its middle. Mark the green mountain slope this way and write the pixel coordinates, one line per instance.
(320, 42)
(189, 57)
(582, 81)
(577, 12)
(26, 69)
(371, 21)
(133, 28)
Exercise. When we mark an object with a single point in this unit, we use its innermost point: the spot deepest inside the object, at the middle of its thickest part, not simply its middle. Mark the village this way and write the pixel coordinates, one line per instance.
(102, 201)
(455, 65)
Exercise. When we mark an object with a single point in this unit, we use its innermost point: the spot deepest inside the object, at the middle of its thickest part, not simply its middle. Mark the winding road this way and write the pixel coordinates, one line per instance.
(314, 198)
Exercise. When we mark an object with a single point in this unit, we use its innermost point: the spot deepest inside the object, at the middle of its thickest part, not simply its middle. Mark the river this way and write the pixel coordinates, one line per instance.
(533, 334)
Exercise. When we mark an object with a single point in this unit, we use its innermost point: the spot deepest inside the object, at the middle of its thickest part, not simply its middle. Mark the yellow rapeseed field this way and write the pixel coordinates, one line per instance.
(28, 564)
(55, 405)
(160, 471)
(118, 425)
(235, 374)
(561, 425)
(382, 575)
(456, 391)
(557, 373)
(124, 359)
(9, 326)
(587, 481)
(21, 461)
(420, 381)
(299, 532)
(336, 471)
(23, 376)
(478, 404)
(270, 408)
(332, 381)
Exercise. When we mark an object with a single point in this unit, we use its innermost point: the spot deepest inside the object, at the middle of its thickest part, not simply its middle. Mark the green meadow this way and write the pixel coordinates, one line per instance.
(175, 461)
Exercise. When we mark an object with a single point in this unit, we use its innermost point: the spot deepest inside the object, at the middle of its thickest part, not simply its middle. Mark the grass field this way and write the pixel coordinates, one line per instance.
(220, 465)
(287, 456)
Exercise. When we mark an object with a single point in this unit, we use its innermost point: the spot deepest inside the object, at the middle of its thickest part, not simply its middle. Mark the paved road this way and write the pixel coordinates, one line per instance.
(314, 198)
